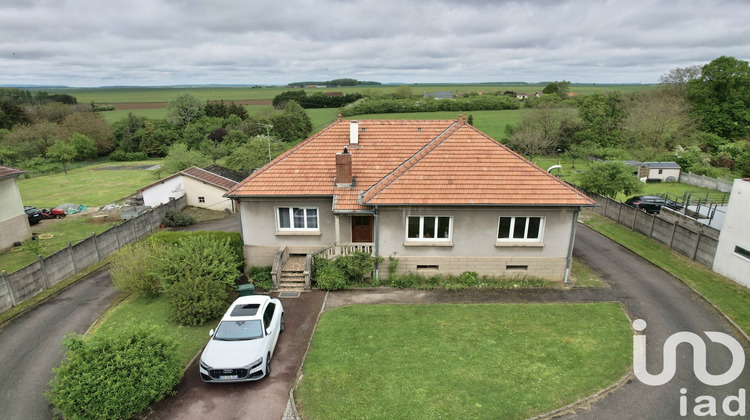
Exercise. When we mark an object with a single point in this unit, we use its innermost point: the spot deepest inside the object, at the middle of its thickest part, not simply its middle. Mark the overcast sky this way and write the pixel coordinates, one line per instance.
(167, 42)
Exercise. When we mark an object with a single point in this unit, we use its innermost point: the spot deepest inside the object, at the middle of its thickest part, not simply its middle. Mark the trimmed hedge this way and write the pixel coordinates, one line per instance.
(114, 375)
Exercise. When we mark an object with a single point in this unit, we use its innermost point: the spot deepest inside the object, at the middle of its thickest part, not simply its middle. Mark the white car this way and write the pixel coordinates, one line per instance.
(241, 347)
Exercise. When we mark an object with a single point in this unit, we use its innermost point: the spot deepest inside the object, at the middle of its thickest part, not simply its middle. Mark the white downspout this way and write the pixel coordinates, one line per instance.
(569, 261)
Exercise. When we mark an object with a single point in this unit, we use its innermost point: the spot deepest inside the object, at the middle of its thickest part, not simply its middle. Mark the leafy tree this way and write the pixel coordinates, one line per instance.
(254, 153)
(280, 100)
(32, 140)
(721, 97)
(676, 80)
(63, 152)
(156, 137)
(550, 89)
(93, 126)
(657, 119)
(222, 110)
(11, 114)
(604, 116)
(184, 109)
(53, 112)
(125, 132)
(403, 92)
(609, 179)
(179, 158)
(530, 141)
(83, 145)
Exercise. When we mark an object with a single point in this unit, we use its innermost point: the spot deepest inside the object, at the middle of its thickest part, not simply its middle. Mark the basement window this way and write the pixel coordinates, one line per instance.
(421, 267)
(742, 252)
(517, 267)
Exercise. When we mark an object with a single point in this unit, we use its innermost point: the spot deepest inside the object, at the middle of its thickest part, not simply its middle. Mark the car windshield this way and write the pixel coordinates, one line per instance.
(239, 330)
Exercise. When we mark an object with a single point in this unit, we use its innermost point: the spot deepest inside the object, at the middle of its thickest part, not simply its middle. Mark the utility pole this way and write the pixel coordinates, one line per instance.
(268, 128)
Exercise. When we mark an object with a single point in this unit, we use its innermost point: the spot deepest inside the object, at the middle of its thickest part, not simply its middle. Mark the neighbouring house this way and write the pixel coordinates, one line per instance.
(538, 94)
(203, 188)
(438, 195)
(732, 257)
(14, 224)
(661, 171)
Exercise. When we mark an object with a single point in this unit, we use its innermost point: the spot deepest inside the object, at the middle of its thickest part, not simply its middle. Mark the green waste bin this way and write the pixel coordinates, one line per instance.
(246, 289)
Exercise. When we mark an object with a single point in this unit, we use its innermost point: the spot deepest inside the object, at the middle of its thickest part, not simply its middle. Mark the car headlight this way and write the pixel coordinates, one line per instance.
(205, 366)
(254, 365)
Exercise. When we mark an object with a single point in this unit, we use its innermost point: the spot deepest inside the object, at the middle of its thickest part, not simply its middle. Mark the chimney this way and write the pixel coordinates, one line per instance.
(353, 132)
(344, 169)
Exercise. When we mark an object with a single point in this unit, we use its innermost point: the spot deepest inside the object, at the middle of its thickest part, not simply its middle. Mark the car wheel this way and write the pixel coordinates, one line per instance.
(268, 365)
(281, 330)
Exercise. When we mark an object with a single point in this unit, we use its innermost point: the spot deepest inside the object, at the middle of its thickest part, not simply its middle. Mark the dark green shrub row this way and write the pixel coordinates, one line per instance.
(464, 280)
(177, 219)
(115, 375)
(473, 103)
(316, 100)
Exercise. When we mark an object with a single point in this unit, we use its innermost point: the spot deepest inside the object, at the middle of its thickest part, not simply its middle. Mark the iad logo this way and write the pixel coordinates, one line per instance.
(699, 357)
(705, 405)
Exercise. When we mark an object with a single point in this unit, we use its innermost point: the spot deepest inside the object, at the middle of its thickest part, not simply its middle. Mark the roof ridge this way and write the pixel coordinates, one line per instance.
(206, 179)
(409, 163)
(212, 173)
(283, 156)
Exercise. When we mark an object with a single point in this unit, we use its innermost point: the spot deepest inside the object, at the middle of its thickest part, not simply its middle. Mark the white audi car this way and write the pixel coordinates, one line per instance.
(241, 347)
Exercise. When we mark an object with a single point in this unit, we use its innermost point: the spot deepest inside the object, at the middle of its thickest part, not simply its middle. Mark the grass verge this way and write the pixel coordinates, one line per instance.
(461, 361)
(156, 311)
(728, 296)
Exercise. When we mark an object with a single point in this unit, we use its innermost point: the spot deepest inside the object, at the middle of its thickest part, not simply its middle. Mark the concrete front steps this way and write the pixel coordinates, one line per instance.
(293, 274)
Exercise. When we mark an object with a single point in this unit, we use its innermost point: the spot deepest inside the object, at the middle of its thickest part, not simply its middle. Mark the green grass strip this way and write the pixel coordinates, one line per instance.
(461, 361)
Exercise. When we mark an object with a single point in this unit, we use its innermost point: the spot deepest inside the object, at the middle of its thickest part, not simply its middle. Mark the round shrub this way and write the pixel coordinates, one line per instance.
(197, 300)
(331, 277)
(176, 219)
(115, 375)
(261, 277)
(131, 271)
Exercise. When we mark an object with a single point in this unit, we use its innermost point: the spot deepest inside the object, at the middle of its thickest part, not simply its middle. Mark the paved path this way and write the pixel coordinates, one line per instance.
(30, 345)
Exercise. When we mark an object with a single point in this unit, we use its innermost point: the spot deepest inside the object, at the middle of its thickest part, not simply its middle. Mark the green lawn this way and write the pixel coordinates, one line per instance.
(156, 311)
(54, 235)
(730, 297)
(90, 186)
(461, 361)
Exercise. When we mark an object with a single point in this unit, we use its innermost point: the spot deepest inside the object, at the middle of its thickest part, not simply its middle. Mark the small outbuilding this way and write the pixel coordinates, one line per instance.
(203, 189)
(660, 171)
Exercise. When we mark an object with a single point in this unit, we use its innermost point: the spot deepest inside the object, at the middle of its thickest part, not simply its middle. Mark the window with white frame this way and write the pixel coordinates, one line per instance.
(297, 218)
(428, 228)
(520, 229)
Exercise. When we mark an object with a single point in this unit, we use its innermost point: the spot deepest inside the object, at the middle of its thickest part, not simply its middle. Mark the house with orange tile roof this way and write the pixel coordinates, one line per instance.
(439, 195)
(203, 188)
(14, 222)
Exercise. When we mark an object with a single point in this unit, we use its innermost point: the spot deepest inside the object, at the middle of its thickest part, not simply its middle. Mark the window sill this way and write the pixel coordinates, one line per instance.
(501, 244)
(428, 243)
(298, 233)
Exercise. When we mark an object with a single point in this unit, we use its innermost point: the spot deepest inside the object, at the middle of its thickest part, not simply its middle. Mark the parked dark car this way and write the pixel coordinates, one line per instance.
(652, 203)
(33, 214)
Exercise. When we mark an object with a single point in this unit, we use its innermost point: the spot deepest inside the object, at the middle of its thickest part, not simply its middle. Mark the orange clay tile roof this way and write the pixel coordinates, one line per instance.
(200, 175)
(410, 162)
(6, 172)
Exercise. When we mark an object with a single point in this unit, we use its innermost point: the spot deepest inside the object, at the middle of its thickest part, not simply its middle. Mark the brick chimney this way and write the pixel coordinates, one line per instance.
(344, 169)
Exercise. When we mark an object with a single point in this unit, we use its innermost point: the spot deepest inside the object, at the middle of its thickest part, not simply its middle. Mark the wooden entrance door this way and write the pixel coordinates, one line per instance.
(362, 228)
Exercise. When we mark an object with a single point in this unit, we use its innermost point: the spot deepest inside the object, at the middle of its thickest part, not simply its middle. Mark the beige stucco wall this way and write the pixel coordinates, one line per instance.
(735, 232)
(14, 224)
(262, 240)
(213, 195)
(653, 173)
(473, 246)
